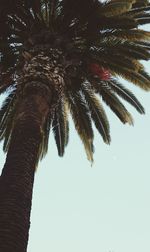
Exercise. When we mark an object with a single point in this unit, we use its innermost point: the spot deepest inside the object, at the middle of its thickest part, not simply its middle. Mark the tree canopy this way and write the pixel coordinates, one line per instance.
(89, 44)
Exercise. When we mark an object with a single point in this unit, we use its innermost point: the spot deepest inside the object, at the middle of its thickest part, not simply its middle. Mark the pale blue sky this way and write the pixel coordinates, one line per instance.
(103, 208)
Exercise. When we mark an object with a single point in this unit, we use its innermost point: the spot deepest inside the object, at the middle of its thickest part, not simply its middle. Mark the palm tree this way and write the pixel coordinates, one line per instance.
(56, 57)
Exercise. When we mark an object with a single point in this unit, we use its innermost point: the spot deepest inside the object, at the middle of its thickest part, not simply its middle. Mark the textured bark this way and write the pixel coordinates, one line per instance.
(16, 181)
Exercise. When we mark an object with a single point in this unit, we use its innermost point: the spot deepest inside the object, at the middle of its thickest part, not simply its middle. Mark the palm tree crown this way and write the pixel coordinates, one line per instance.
(76, 49)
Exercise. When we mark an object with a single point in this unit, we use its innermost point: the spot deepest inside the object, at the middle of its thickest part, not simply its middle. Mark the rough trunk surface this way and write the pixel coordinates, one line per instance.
(16, 180)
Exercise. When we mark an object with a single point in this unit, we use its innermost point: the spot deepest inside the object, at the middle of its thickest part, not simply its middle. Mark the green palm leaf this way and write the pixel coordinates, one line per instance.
(117, 7)
(116, 106)
(60, 127)
(125, 94)
(46, 132)
(137, 78)
(7, 117)
(6, 111)
(140, 3)
(97, 114)
(82, 121)
(132, 35)
(117, 22)
(122, 47)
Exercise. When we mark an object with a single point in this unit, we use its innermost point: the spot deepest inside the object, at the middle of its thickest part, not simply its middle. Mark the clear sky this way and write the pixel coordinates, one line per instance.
(103, 208)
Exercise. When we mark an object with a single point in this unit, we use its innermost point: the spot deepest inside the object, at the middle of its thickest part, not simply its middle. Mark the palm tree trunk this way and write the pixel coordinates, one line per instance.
(16, 180)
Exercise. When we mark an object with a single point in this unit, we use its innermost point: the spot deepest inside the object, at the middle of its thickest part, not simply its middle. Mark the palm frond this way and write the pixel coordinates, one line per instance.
(144, 44)
(116, 22)
(82, 121)
(137, 78)
(127, 63)
(46, 132)
(120, 46)
(53, 6)
(124, 93)
(116, 106)
(97, 113)
(60, 127)
(115, 8)
(7, 115)
(5, 112)
(8, 132)
(132, 35)
(6, 81)
(140, 9)
(140, 3)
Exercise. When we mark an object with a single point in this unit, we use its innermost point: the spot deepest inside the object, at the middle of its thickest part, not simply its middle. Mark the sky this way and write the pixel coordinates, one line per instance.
(103, 208)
